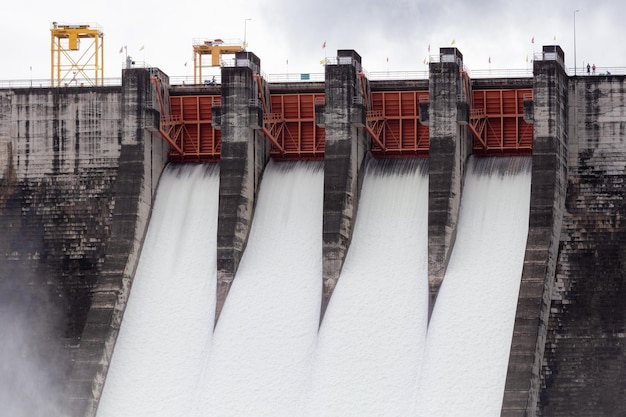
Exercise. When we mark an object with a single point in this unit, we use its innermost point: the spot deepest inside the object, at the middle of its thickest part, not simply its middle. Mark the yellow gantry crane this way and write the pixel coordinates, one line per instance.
(215, 48)
(71, 65)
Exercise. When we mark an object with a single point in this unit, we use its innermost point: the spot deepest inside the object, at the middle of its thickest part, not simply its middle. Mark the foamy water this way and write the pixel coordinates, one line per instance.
(373, 355)
(469, 336)
(262, 347)
(167, 326)
(373, 334)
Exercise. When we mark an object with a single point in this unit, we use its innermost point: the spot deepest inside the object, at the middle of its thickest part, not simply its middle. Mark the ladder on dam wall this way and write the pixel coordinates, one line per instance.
(496, 121)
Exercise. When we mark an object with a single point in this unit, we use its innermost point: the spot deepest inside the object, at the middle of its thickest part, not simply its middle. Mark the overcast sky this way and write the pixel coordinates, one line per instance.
(287, 35)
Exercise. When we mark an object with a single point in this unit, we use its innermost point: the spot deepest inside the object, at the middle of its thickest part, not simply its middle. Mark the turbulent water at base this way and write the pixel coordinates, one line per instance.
(374, 354)
(469, 336)
(373, 334)
(166, 330)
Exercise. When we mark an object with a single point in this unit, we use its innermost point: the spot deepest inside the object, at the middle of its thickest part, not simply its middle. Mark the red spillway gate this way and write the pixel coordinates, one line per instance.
(393, 120)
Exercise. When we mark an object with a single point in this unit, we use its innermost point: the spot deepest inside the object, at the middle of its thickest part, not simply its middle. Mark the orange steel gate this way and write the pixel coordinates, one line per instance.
(402, 134)
(198, 139)
(496, 122)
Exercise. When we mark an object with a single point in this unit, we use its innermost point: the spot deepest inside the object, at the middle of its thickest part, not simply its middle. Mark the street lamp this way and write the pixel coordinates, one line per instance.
(575, 62)
(245, 23)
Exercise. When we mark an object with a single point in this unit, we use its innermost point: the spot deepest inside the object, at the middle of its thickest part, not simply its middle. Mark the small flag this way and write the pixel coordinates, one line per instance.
(526, 58)
(185, 63)
(554, 37)
(245, 45)
(324, 45)
(387, 59)
(121, 49)
(287, 61)
(322, 61)
(424, 60)
(532, 40)
(141, 49)
(453, 41)
(429, 48)
(490, 60)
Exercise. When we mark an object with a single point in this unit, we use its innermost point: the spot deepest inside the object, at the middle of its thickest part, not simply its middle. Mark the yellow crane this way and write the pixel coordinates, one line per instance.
(215, 48)
(71, 65)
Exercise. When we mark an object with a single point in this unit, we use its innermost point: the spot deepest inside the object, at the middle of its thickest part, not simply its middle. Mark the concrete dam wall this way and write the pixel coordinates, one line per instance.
(79, 168)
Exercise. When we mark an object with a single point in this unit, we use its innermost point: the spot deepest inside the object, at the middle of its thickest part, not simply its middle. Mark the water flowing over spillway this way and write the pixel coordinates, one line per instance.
(375, 353)
(166, 330)
(471, 328)
(263, 342)
(373, 334)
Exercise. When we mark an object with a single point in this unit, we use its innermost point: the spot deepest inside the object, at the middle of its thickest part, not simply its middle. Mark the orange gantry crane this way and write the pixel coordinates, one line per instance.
(71, 64)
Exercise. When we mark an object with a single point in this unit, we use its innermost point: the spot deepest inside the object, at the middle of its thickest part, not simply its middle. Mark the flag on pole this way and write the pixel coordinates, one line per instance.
(526, 58)
(490, 60)
(322, 61)
(121, 49)
(141, 49)
(387, 59)
(429, 48)
(185, 63)
(424, 60)
(324, 45)
(453, 41)
(532, 40)
(554, 37)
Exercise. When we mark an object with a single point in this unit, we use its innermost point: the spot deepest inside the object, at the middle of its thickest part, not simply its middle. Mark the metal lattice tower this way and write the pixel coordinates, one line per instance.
(215, 48)
(71, 64)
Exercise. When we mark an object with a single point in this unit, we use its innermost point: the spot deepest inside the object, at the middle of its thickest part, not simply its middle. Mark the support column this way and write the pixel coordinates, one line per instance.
(143, 155)
(547, 205)
(450, 145)
(244, 154)
(346, 145)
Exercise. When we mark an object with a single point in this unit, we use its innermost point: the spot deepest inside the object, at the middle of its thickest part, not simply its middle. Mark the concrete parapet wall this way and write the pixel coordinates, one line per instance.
(547, 204)
(585, 356)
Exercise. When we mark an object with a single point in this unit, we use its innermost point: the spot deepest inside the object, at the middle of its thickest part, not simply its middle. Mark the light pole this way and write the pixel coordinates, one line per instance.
(245, 24)
(575, 62)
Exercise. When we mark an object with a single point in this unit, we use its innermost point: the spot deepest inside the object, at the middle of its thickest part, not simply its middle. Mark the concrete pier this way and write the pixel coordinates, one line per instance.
(450, 145)
(346, 146)
(547, 205)
(245, 152)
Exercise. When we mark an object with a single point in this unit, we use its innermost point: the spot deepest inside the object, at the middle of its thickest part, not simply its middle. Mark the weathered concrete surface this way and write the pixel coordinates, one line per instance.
(450, 145)
(244, 154)
(584, 367)
(547, 201)
(77, 181)
(346, 146)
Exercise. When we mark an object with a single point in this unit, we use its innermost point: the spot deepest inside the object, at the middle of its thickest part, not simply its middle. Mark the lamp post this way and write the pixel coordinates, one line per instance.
(245, 24)
(575, 62)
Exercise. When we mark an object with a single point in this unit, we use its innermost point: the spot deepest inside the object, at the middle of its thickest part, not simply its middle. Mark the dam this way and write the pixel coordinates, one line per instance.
(80, 168)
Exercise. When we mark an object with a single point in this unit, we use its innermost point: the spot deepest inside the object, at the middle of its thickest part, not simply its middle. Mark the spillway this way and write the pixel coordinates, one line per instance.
(469, 336)
(266, 334)
(375, 353)
(166, 330)
(374, 330)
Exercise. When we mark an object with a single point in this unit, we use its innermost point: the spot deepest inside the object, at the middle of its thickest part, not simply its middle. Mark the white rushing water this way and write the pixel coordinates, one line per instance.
(373, 334)
(167, 326)
(263, 342)
(374, 354)
(471, 328)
